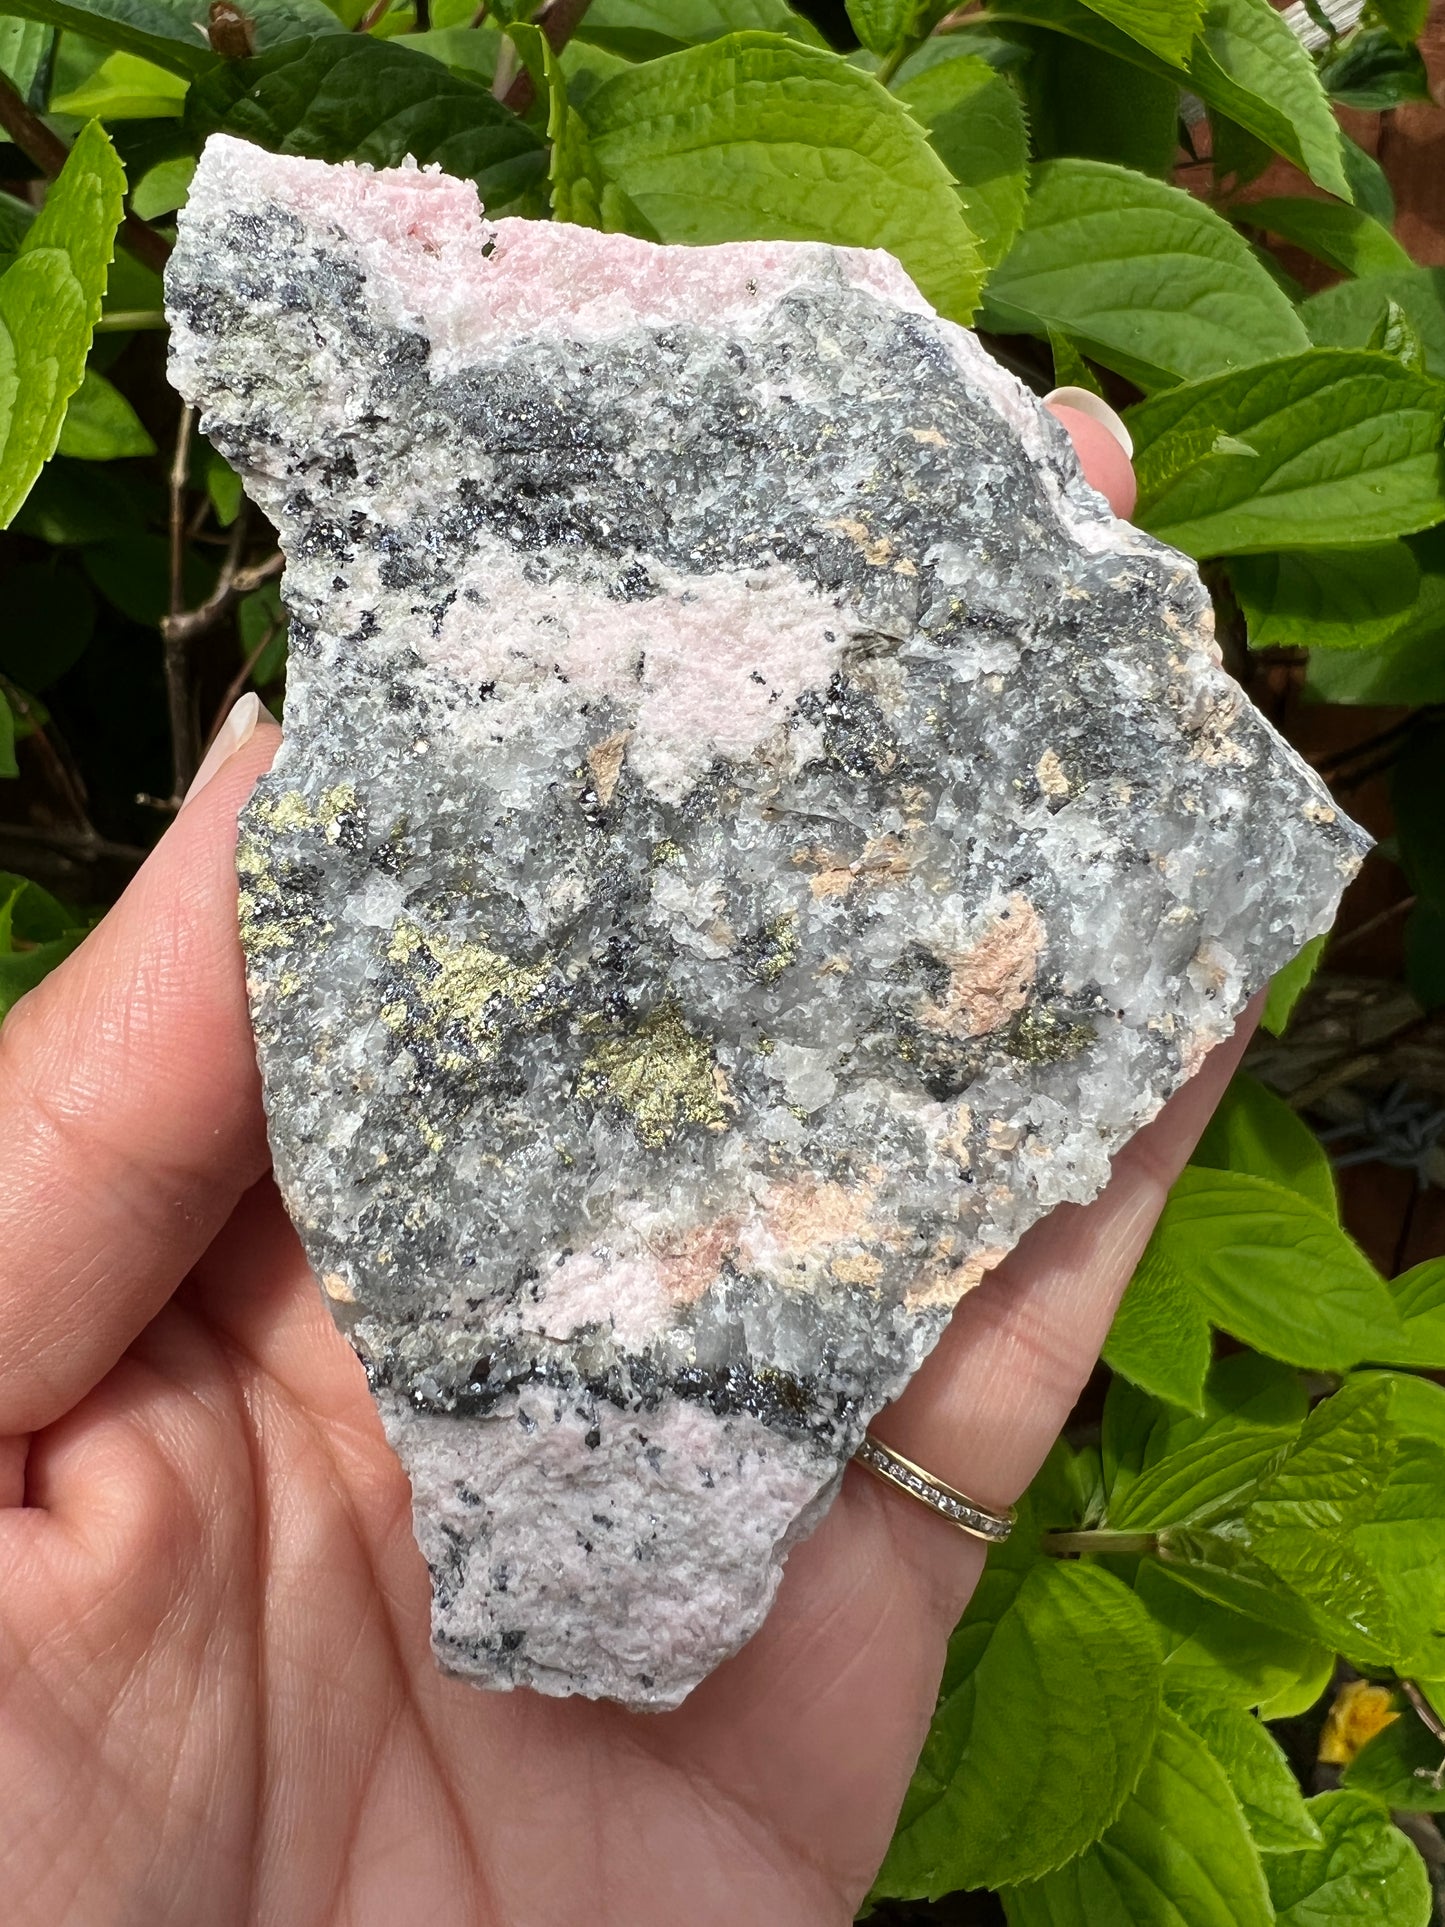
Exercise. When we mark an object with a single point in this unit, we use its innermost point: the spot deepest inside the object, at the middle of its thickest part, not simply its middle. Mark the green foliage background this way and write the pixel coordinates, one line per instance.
(1262, 1502)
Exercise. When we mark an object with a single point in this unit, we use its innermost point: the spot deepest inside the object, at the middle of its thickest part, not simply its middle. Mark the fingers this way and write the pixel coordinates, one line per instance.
(129, 1087)
(988, 1403)
(1102, 444)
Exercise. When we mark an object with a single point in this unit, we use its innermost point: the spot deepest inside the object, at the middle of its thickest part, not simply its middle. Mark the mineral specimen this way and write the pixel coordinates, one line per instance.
(753, 833)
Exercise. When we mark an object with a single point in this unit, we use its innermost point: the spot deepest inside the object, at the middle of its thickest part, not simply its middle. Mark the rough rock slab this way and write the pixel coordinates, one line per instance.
(753, 834)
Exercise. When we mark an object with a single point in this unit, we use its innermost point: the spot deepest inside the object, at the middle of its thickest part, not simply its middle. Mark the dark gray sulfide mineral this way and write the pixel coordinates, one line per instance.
(753, 833)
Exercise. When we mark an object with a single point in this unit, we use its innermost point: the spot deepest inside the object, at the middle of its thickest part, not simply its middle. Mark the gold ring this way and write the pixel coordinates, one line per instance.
(890, 1466)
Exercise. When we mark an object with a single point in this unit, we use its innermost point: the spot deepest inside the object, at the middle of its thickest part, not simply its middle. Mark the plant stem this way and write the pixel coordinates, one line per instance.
(82, 844)
(1101, 1539)
(1433, 1724)
(236, 688)
(558, 20)
(29, 132)
(185, 750)
(64, 779)
(125, 320)
(890, 63)
(49, 153)
(232, 583)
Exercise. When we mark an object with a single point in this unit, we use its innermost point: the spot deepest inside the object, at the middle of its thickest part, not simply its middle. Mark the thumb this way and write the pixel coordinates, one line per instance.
(1101, 442)
(128, 1083)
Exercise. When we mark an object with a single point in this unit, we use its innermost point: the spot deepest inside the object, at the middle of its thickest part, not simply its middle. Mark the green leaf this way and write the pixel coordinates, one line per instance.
(1398, 1767)
(1275, 1268)
(471, 51)
(1006, 52)
(1351, 315)
(1318, 450)
(1372, 73)
(125, 87)
(1250, 65)
(50, 298)
(74, 503)
(976, 127)
(1277, 1271)
(1179, 1855)
(49, 620)
(22, 970)
(1415, 796)
(223, 486)
(163, 188)
(1084, 104)
(1238, 156)
(1146, 279)
(1242, 1390)
(1257, 1770)
(1070, 368)
(8, 764)
(1165, 27)
(585, 68)
(348, 97)
(16, 219)
(1180, 1465)
(1419, 1296)
(1425, 955)
(1326, 598)
(1417, 1405)
(1246, 65)
(1363, 1871)
(261, 626)
(1405, 1545)
(1199, 1482)
(1294, 1541)
(100, 425)
(1343, 237)
(1160, 1338)
(133, 574)
(1289, 984)
(882, 25)
(755, 137)
(27, 56)
(1404, 18)
(1409, 666)
(1254, 1131)
(578, 190)
(1036, 1751)
(172, 33)
(1408, 670)
(1329, 1477)
(1369, 185)
(647, 29)
(1304, 1691)
(37, 932)
(1219, 1656)
(1396, 334)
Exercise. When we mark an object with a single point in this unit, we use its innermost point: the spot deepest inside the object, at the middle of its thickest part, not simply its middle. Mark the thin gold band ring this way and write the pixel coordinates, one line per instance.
(965, 1513)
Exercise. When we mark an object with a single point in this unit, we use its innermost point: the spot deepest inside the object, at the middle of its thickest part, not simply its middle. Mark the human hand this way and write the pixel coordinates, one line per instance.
(220, 1705)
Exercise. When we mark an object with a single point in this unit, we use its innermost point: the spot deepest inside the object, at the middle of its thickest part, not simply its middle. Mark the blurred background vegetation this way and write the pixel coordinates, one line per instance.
(139, 593)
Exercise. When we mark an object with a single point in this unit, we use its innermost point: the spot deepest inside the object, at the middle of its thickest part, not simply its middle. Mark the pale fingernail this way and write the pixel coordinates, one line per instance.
(237, 730)
(1087, 403)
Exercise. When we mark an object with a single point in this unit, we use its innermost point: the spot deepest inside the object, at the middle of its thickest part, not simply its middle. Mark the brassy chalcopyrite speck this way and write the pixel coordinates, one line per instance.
(753, 833)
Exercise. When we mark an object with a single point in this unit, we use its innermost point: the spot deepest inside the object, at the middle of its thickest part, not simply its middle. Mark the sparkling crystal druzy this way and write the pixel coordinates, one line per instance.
(753, 833)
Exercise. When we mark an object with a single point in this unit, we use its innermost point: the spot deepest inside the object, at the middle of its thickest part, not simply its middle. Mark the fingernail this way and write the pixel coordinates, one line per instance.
(237, 730)
(1088, 403)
